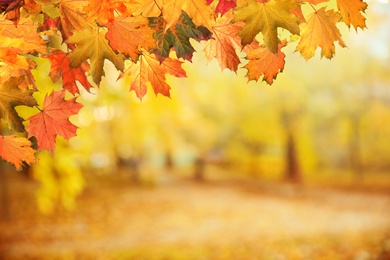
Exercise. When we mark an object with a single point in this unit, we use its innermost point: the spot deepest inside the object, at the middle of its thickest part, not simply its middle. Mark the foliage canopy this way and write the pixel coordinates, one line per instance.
(145, 40)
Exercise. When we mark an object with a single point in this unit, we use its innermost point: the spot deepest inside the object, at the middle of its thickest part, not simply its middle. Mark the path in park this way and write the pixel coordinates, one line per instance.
(186, 220)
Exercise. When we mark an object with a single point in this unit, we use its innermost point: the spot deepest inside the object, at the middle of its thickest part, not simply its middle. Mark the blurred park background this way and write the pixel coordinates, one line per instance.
(225, 169)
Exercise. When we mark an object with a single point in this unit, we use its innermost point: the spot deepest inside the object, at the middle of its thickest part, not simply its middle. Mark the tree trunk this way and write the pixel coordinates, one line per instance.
(293, 172)
(199, 169)
(4, 196)
(354, 149)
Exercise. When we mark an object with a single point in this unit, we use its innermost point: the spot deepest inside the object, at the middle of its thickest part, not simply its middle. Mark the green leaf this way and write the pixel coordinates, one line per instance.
(177, 37)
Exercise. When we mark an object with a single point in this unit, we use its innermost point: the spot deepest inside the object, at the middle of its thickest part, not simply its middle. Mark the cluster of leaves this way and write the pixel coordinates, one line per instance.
(144, 39)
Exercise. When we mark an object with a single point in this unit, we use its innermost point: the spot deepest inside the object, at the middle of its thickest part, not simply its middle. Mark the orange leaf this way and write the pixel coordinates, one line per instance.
(320, 31)
(23, 37)
(128, 34)
(60, 68)
(351, 12)
(16, 61)
(72, 17)
(7, 71)
(12, 9)
(225, 42)
(16, 149)
(103, 9)
(149, 69)
(264, 62)
(53, 120)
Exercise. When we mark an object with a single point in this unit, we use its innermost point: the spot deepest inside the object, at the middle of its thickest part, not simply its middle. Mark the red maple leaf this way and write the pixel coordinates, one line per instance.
(53, 120)
(223, 5)
(60, 68)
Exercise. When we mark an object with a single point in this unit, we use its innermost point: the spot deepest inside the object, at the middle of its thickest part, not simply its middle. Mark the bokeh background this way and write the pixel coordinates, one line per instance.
(224, 169)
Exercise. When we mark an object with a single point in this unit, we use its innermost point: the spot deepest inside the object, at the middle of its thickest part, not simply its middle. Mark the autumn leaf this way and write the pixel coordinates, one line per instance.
(149, 69)
(314, 2)
(225, 42)
(320, 31)
(104, 9)
(263, 62)
(178, 37)
(9, 70)
(72, 17)
(23, 37)
(15, 150)
(14, 65)
(92, 44)
(198, 10)
(10, 5)
(148, 8)
(53, 120)
(351, 11)
(267, 17)
(11, 57)
(60, 69)
(224, 5)
(129, 34)
(12, 9)
(12, 96)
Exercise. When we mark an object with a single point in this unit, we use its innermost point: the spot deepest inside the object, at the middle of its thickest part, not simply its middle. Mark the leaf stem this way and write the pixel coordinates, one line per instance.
(157, 5)
(315, 10)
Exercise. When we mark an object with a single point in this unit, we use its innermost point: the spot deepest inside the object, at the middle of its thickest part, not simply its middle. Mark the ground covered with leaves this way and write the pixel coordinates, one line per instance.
(181, 219)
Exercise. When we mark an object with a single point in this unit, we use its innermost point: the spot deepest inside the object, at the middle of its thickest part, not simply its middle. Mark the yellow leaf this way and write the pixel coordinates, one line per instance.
(148, 8)
(92, 44)
(149, 69)
(198, 10)
(320, 31)
(267, 18)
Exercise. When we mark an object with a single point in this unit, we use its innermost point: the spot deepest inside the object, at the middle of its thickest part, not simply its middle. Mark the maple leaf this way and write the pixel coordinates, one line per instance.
(12, 96)
(72, 17)
(9, 70)
(92, 44)
(149, 69)
(129, 34)
(314, 2)
(103, 9)
(9, 5)
(11, 57)
(225, 42)
(148, 8)
(16, 149)
(60, 68)
(264, 62)
(14, 65)
(267, 17)
(199, 11)
(12, 9)
(223, 5)
(23, 37)
(320, 31)
(53, 120)
(177, 36)
(351, 11)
